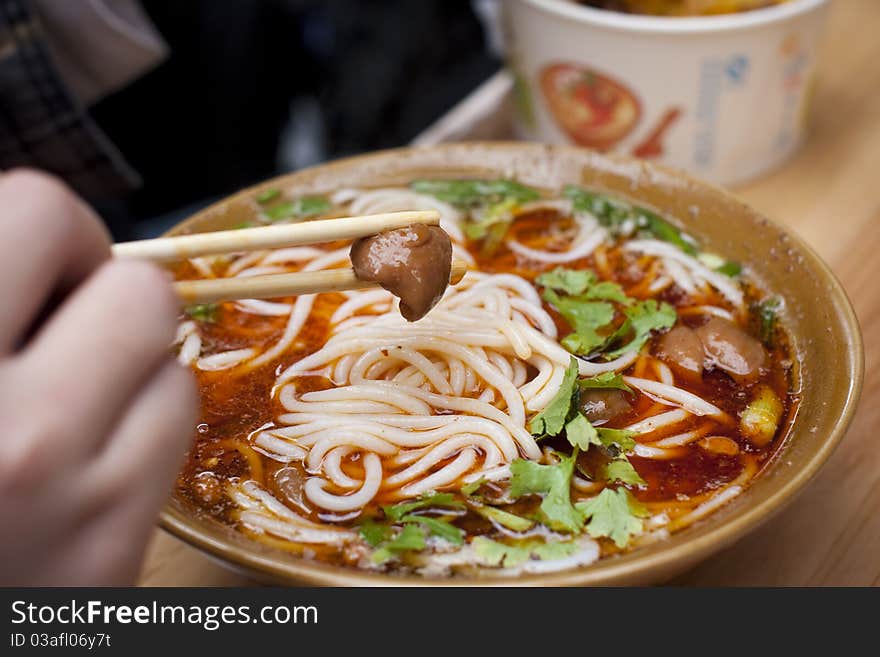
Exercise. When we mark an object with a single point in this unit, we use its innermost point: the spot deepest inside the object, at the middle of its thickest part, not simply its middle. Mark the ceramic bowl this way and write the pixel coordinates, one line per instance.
(825, 335)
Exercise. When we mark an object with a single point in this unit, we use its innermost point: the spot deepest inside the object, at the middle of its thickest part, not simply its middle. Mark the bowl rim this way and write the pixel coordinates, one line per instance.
(749, 19)
(631, 566)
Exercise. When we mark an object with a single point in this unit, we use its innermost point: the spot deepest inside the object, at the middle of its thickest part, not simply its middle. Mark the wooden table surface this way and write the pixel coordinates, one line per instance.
(830, 195)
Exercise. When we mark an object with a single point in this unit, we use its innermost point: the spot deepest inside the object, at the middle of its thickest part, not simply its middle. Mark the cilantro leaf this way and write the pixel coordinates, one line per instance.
(605, 380)
(551, 420)
(494, 553)
(580, 433)
(585, 317)
(554, 483)
(471, 193)
(436, 527)
(410, 537)
(620, 469)
(570, 281)
(641, 318)
(614, 514)
(620, 439)
(374, 533)
(306, 206)
(609, 291)
(447, 500)
(584, 284)
(505, 518)
(203, 312)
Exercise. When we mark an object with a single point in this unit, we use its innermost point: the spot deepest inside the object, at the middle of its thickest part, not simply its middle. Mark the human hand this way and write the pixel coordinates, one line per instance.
(95, 413)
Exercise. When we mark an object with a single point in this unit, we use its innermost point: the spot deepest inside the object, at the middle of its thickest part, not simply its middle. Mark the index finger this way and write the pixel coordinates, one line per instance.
(50, 241)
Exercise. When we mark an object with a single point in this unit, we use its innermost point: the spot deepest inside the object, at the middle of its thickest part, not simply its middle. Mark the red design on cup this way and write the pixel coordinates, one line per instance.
(591, 108)
(652, 145)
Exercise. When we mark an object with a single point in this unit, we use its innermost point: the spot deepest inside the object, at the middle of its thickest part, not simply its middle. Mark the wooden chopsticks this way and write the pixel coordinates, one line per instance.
(271, 237)
(269, 286)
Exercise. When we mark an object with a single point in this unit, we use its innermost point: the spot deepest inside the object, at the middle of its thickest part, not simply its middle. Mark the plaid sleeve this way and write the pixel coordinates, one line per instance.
(41, 124)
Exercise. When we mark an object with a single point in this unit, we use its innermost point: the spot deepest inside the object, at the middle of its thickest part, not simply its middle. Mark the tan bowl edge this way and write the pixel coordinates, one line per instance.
(840, 351)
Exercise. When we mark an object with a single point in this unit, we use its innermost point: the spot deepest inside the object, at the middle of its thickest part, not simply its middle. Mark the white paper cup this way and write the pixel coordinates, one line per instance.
(722, 96)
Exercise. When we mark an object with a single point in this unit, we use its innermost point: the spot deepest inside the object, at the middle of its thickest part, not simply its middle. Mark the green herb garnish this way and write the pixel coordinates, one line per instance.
(621, 470)
(606, 380)
(642, 318)
(614, 514)
(768, 313)
(620, 441)
(473, 486)
(494, 553)
(582, 284)
(268, 195)
(580, 433)
(374, 533)
(554, 483)
(410, 538)
(616, 215)
(396, 512)
(474, 193)
(301, 208)
(204, 312)
(656, 226)
(491, 204)
(551, 420)
(730, 268)
(437, 527)
(504, 518)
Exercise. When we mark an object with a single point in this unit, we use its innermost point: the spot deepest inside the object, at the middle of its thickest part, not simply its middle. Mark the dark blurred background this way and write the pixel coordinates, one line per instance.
(254, 87)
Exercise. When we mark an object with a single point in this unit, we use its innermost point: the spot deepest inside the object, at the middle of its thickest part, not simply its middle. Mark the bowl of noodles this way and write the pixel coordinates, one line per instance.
(636, 370)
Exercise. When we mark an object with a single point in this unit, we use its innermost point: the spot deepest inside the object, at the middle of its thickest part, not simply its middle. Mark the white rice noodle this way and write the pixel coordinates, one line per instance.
(263, 513)
(292, 254)
(261, 270)
(681, 439)
(691, 272)
(190, 349)
(657, 453)
(224, 360)
(672, 396)
(659, 421)
(710, 505)
(589, 236)
(301, 309)
(709, 310)
(261, 307)
(453, 388)
(203, 266)
(400, 199)
(190, 342)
